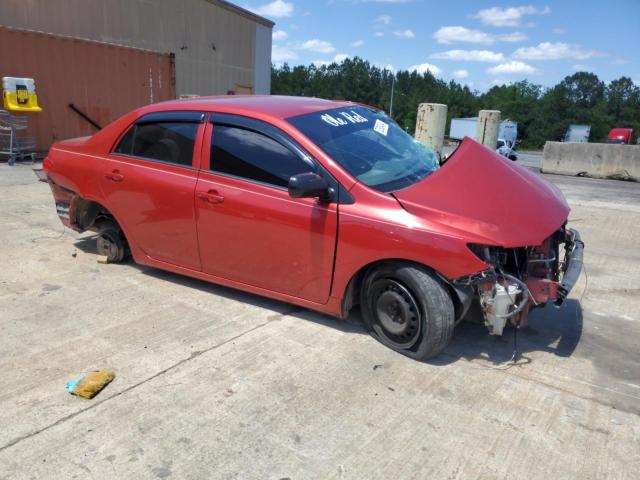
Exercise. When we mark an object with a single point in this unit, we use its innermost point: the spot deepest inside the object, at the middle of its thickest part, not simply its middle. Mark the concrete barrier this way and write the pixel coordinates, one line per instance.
(599, 160)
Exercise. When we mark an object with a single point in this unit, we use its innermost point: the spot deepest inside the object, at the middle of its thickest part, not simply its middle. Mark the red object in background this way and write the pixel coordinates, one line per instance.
(620, 135)
(260, 238)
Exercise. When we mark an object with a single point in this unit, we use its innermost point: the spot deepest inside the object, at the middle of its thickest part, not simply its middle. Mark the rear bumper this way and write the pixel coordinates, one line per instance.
(574, 249)
(64, 199)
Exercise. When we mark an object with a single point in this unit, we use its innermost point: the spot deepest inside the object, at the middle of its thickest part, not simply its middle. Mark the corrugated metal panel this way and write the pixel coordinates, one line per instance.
(263, 59)
(104, 81)
(214, 44)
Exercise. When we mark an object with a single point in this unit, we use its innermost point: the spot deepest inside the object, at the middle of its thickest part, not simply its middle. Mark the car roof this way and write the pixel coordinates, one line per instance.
(274, 106)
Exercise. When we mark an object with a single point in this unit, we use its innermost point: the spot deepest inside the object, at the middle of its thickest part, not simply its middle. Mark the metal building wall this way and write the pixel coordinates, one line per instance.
(263, 59)
(104, 81)
(213, 41)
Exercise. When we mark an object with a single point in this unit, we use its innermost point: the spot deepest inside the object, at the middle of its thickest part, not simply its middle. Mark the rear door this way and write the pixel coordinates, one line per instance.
(249, 229)
(149, 182)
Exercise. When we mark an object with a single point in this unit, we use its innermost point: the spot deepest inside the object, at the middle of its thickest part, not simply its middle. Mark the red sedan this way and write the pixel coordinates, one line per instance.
(324, 204)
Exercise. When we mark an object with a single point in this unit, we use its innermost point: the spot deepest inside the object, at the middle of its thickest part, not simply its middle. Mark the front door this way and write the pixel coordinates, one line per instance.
(149, 182)
(249, 229)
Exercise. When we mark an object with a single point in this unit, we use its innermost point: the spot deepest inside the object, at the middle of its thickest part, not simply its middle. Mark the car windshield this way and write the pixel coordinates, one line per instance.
(369, 145)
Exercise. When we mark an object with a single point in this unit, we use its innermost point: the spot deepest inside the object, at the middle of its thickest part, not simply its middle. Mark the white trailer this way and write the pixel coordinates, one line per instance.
(463, 127)
(466, 127)
(577, 133)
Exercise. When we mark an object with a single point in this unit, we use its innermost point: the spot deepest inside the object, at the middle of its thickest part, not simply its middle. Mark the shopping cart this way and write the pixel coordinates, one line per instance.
(13, 141)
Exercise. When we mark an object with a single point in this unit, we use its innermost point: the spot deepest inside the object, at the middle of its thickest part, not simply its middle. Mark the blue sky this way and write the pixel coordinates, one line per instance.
(479, 43)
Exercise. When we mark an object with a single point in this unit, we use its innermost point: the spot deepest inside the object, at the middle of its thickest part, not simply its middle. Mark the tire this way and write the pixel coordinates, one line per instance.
(111, 241)
(513, 158)
(407, 308)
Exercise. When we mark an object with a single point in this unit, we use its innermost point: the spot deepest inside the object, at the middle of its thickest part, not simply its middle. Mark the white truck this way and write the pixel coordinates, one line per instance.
(506, 149)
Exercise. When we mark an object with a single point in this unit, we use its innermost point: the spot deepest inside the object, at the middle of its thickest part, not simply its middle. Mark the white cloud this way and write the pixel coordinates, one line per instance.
(320, 46)
(460, 74)
(282, 54)
(508, 17)
(581, 68)
(471, 56)
(280, 35)
(275, 9)
(553, 51)
(456, 33)
(404, 34)
(357, 43)
(378, 34)
(383, 19)
(321, 63)
(423, 68)
(512, 37)
(461, 34)
(512, 68)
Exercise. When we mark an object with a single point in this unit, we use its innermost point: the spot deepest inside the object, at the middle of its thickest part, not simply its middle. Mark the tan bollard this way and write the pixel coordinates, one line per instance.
(430, 125)
(488, 128)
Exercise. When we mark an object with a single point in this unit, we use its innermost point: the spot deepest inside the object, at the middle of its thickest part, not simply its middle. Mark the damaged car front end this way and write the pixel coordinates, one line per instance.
(521, 279)
(511, 220)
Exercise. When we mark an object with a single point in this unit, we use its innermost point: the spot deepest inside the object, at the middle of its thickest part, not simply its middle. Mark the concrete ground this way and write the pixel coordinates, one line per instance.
(216, 383)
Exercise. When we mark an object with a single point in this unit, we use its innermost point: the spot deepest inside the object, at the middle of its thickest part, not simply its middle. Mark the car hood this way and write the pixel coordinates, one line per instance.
(487, 198)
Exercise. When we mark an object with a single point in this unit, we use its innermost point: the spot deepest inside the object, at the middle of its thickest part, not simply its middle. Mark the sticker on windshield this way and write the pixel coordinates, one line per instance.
(381, 127)
(343, 118)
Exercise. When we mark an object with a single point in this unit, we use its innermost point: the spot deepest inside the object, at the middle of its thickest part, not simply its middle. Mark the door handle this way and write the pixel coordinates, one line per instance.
(114, 176)
(212, 196)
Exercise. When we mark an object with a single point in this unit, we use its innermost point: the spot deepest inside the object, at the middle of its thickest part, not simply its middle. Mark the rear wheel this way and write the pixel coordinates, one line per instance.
(407, 308)
(111, 241)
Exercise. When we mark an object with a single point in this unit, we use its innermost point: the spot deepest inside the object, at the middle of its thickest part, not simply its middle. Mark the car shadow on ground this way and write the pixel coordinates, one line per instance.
(552, 330)
(351, 325)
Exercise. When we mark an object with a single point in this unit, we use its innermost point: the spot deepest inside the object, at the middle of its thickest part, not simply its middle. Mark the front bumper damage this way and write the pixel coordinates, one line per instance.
(522, 279)
(574, 249)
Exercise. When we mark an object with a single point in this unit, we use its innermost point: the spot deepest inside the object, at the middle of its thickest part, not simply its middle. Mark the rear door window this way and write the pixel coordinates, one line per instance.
(168, 140)
(249, 154)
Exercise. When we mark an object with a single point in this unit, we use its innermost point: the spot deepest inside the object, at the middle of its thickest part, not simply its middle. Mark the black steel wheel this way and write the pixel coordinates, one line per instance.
(396, 314)
(408, 308)
(111, 242)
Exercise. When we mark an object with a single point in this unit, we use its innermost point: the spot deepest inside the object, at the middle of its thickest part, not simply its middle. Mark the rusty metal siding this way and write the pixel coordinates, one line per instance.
(214, 42)
(104, 81)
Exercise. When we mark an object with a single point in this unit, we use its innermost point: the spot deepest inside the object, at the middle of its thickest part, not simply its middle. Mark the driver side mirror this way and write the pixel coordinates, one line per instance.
(310, 185)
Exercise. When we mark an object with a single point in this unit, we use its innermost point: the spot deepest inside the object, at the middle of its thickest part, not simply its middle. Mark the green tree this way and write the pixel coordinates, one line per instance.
(542, 114)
